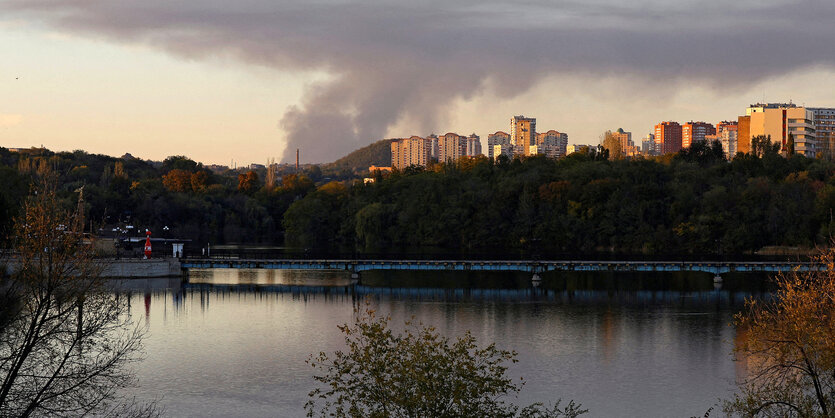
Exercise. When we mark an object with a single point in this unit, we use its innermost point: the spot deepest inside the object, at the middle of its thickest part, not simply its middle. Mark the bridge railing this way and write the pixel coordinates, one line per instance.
(534, 266)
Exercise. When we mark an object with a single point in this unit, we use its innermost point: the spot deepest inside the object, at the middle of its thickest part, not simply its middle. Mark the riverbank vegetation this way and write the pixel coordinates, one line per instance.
(787, 346)
(693, 202)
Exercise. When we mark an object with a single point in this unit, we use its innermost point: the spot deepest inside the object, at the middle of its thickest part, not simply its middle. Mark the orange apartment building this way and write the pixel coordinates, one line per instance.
(668, 137)
(695, 131)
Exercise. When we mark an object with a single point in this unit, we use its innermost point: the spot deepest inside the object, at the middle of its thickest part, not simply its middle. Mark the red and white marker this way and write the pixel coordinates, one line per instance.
(147, 244)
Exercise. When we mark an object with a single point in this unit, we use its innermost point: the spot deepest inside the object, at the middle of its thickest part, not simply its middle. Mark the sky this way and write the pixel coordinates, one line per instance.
(243, 81)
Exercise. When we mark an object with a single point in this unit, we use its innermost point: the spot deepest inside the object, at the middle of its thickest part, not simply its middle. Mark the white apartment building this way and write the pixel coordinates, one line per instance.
(473, 145)
(552, 143)
(451, 147)
(411, 151)
(825, 130)
(498, 138)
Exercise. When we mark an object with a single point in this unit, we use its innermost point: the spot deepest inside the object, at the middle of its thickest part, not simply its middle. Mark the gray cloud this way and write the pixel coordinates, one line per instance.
(393, 59)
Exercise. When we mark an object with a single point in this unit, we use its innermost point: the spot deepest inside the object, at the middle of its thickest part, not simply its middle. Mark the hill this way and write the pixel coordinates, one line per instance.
(378, 153)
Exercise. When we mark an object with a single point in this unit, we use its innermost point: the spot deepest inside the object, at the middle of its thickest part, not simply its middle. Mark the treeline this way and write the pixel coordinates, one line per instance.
(694, 202)
(233, 206)
(378, 153)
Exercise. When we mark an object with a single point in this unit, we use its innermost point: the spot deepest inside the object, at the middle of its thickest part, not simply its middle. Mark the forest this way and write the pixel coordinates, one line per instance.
(694, 202)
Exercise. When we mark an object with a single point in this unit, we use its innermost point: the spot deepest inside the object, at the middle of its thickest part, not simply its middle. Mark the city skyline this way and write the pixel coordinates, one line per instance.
(243, 82)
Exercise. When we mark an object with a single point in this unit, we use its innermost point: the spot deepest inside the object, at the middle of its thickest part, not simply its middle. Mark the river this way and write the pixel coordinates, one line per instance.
(234, 342)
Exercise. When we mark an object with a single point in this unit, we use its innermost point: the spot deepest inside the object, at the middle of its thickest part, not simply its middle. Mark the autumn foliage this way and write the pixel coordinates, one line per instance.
(177, 180)
(789, 347)
(248, 182)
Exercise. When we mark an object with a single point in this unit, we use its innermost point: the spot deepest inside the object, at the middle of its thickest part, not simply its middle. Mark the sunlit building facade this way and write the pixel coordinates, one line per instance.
(498, 138)
(502, 149)
(726, 134)
(552, 144)
(627, 146)
(779, 120)
(668, 137)
(411, 151)
(522, 134)
(648, 145)
(451, 147)
(695, 132)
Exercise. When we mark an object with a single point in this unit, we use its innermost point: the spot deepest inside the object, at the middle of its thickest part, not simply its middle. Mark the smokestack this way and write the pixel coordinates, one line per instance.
(297, 160)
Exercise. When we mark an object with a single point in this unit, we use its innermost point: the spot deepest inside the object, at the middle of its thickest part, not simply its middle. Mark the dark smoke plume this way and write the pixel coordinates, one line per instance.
(391, 60)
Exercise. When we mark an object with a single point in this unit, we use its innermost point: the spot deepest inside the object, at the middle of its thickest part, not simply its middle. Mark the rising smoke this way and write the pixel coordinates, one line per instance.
(390, 60)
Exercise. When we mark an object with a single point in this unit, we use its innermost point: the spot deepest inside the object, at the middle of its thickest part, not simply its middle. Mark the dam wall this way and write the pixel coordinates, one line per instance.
(130, 268)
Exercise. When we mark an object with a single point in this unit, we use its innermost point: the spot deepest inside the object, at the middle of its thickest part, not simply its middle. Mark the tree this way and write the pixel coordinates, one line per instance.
(65, 341)
(416, 374)
(198, 181)
(272, 176)
(789, 347)
(761, 146)
(248, 182)
(702, 152)
(180, 162)
(612, 144)
(177, 180)
(119, 170)
(790, 145)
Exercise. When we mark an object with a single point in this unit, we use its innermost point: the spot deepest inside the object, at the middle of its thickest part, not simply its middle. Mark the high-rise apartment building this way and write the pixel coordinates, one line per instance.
(627, 147)
(824, 130)
(668, 137)
(743, 134)
(726, 134)
(552, 143)
(522, 134)
(727, 125)
(451, 147)
(727, 139)
(648, 145)
(411, 151)
(473, 145)
(695, 131)
(502, 149)
(498, 138)
(433, 146)
(779, 120)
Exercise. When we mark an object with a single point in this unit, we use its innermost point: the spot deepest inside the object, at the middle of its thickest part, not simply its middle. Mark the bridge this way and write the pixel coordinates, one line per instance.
(536, 267)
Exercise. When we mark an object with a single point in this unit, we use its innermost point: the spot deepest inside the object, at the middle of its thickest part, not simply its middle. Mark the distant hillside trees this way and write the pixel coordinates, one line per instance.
(378, 153)
(694, 202)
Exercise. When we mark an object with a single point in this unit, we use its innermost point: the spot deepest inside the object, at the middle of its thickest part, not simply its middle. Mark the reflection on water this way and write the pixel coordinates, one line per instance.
(233, 343)
(268, 277)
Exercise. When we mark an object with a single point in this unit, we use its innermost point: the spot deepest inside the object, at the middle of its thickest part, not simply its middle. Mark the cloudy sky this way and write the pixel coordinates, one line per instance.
(246, 80)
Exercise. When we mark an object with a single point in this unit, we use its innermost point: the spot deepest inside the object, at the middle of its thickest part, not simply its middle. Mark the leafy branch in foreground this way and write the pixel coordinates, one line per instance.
(418, 373)
(789, 347)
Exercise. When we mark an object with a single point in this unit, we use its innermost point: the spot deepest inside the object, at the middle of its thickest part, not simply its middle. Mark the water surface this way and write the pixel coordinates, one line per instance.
(234, 343)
